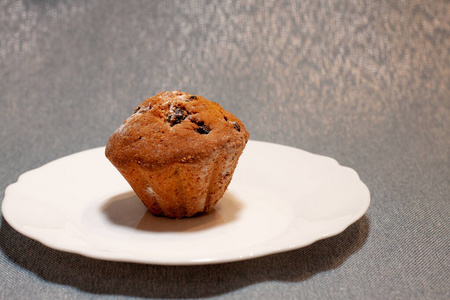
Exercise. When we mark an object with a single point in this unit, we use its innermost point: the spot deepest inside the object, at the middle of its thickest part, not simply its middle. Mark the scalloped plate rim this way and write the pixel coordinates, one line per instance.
(12, 193)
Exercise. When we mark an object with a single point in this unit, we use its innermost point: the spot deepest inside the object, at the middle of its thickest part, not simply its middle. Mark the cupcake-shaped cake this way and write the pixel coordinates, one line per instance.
(178, 152)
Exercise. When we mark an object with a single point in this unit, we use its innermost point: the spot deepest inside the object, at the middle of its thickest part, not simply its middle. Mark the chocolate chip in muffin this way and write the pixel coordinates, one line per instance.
(236, 126)
(202, 128)
(191, 98)
(177, 116)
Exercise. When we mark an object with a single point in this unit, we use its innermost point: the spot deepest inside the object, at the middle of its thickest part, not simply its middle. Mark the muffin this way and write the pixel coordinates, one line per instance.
(178, 152)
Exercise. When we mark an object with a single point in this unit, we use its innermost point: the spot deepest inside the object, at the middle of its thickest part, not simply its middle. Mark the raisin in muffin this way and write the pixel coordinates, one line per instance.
(178, 152)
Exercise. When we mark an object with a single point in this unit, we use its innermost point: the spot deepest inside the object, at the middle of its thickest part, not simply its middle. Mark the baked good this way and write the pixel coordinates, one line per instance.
(178, 152)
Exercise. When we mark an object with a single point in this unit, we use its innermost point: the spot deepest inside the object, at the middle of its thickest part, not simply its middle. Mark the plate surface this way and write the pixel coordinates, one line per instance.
(280, 198)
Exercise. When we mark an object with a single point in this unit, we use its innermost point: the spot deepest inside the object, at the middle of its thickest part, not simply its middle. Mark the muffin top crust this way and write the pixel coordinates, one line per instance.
(174, 127)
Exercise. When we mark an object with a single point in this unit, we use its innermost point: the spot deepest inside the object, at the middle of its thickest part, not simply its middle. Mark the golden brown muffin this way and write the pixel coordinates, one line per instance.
(178, 152)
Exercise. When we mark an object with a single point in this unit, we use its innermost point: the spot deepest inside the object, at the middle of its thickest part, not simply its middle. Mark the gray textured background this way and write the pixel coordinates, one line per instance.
(365, 82)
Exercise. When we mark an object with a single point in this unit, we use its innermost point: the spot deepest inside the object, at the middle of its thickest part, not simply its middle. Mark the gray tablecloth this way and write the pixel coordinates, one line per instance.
(364, 82)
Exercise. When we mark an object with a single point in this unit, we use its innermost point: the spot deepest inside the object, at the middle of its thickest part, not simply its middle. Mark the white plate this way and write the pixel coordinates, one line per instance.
(280, 198)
